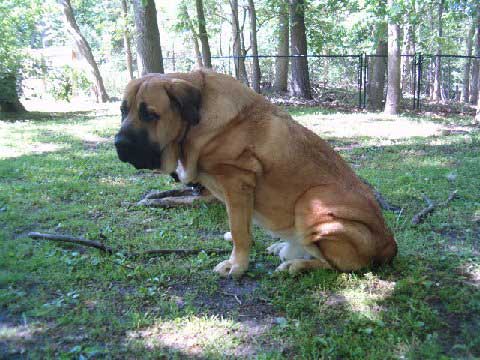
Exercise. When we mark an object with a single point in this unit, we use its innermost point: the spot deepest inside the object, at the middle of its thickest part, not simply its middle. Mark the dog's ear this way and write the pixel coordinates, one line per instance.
(187, 98)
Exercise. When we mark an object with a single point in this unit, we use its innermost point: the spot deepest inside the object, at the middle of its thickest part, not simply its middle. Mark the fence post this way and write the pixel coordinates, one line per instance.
(365, 69)
(419, 79)
(360, 73)
(414, 79)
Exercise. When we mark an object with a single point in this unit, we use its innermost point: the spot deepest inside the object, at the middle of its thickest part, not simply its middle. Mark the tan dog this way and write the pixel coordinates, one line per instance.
(263, 165)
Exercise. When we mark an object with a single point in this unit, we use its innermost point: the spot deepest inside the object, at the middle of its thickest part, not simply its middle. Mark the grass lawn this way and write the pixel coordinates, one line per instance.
(59, 173)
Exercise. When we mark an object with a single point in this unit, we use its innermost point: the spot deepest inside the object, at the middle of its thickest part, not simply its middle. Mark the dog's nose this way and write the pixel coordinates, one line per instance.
(122, 141)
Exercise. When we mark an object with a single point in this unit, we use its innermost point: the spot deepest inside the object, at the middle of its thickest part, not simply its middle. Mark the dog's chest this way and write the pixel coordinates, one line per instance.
(212, 186)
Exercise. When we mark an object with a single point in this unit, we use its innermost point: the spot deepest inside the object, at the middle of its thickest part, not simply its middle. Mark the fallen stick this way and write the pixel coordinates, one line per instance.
(431, 206)
(384, 204)
(109, 250)
(71, 239)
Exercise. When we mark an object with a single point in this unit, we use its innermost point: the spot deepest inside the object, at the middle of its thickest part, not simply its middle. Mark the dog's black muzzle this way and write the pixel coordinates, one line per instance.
(135, 148)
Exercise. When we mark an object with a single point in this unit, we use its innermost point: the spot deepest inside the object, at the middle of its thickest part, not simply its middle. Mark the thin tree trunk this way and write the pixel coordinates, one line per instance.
(202, 34)
(256, 75)
(149, 51)
(239, 60)
(83, 47)
(474, 88)
(377, 84)
(196, 46)
(437, 81)
(409, 40)
(392, 103)
(126, 40)
(280, 83)
(468, 65)
(477, 117)
(298, 43)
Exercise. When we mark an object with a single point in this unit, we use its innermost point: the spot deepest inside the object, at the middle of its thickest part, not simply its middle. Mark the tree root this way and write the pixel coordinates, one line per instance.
(431, 206)
(109, 250)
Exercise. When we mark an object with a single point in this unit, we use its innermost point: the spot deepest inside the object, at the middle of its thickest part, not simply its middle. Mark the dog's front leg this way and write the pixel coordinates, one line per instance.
(238, 191)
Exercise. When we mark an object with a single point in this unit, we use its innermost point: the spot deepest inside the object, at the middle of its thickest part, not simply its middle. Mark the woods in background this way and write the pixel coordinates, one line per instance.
(183, 34)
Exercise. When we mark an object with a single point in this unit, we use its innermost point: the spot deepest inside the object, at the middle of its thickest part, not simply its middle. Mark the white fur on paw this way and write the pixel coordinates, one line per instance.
(228, 236)
(228, 268)
(292, 266)
(275, 249)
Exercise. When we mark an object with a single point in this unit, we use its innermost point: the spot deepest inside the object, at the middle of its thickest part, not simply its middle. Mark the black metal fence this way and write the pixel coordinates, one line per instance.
(346, 78)
(334, 79)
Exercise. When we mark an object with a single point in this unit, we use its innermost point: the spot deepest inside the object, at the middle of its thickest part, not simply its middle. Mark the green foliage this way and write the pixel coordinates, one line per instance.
(62, 83)
(17, 20)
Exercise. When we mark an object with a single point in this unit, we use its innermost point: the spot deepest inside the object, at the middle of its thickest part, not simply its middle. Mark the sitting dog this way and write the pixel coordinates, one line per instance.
(265, 167)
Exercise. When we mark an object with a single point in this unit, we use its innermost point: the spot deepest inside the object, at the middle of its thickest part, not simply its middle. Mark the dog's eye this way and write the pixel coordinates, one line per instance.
(124, 109)
(145, 114)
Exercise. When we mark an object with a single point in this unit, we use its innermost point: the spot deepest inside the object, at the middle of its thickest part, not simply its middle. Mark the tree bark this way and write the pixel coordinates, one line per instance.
(83, 47)
(256, 75)
(437, 80)
(377, 85)
(468, 64)
(126, 40)
(196, 46)
(477, 117)
(410, 49)
(392, 103)
(298, 41)
(474, 87)
(202, 33)
(9, 99)
(280, 83)
(239, 60)
(149, 50)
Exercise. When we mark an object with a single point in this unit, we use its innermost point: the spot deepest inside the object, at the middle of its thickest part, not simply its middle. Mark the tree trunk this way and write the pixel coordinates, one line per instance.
(202, 34)
(477, 117)
(409, 40)
(9, 101)
(126, 40)
(83, 47)
(437, 80)
(298, 41)
(256, 75)
(196, 47)
(239, 60)
(474, 88)
(149, 50)
(281, 63)
(468, 64)
(377, 84)
(393, 84)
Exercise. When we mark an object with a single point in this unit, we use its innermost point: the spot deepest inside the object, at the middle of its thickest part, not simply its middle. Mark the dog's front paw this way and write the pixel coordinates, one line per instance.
(292, 266)
(229, 268)
(276, 248)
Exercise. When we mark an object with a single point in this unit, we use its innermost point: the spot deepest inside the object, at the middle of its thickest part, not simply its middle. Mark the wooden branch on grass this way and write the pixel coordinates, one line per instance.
(109, 250)
(431, 206)
(72, 240)
(384, 204)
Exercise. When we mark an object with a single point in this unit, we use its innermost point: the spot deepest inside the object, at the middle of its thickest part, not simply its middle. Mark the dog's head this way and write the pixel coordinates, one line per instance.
(156, 113)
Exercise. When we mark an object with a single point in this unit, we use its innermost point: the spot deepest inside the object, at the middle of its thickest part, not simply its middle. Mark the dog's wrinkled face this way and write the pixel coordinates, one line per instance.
(156, 112)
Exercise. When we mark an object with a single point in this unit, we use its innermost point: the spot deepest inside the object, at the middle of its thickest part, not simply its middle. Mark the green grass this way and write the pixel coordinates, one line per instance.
(60, 174)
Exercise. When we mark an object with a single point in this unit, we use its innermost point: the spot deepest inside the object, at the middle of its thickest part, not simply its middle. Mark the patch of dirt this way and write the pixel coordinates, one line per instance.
(231, 299)
(238, 300)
